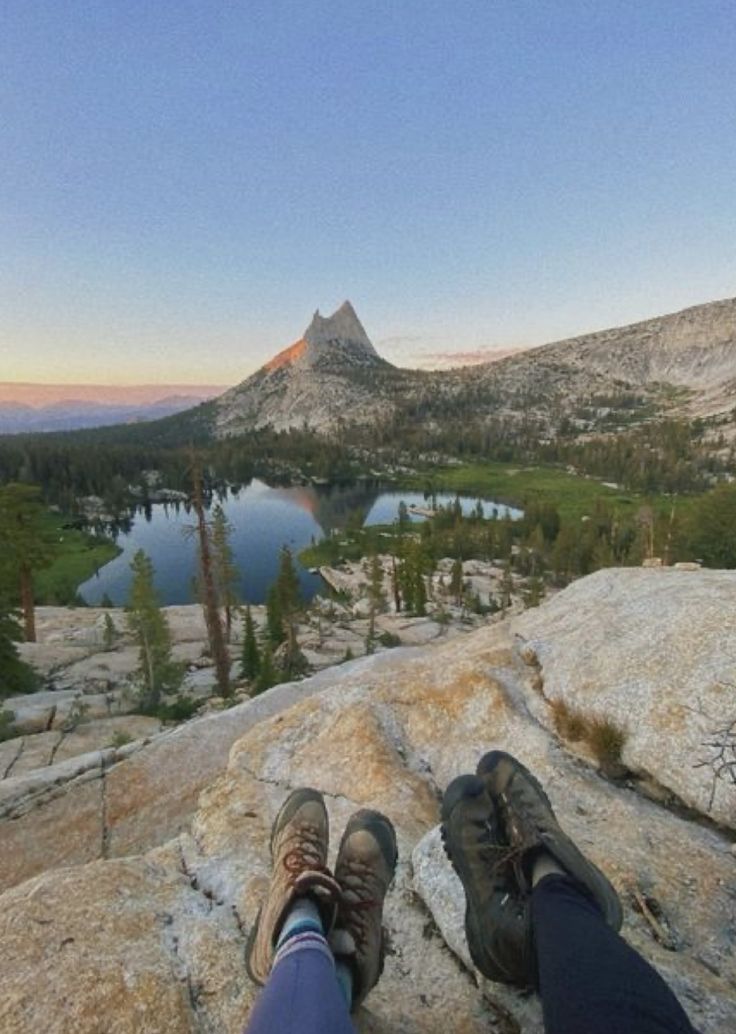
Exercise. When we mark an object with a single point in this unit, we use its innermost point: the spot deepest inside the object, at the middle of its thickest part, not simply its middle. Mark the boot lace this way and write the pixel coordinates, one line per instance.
(496, 854)
(359, 898)
(305, 854)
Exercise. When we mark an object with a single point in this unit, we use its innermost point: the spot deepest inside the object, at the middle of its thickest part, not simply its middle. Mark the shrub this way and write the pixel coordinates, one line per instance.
(179, 710)
(77, 714)
(606, 740)
(568, 723)
(389, 639)
(119, 739)
(7, 728)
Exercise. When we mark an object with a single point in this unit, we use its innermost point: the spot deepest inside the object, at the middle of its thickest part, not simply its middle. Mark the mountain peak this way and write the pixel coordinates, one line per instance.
(343, 327)
(327, 338)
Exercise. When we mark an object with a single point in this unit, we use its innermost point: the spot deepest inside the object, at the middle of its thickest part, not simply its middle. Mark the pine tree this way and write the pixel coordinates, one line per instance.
(109, 633)
(25, 544)
(15, 675)
(711, 531)
(287, 585)
(376, 598)
(268, 675)
(395, 587)
(565, 553)
(456, 580)
(536, 550)
(505, 537)
(507, 587)
(534, 593)
(158, 672)
(274, 619)
(292, 661)
(250, 663)
(218, 647)
(284, 601)
(226, 573)
(420, 594)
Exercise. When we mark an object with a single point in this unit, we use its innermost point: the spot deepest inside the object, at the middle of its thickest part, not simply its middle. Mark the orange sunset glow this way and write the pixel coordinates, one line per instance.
(131, 394)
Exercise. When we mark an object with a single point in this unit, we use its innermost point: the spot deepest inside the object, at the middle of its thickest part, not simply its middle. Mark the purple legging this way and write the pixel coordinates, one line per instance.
(302, 996)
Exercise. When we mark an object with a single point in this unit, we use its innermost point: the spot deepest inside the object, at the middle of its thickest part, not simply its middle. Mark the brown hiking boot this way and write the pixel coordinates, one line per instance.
(364, 869)
(530, 827)
(497, 915)
(299, 843)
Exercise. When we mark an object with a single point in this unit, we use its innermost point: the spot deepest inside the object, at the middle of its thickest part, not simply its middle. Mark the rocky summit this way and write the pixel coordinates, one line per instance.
(682, 364)
(132, 875)
(316, 382)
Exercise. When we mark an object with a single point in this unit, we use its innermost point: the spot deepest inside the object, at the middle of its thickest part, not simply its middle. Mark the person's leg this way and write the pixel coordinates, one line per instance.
(310, 988)
(302, 994)
(287, 949)
(509, 851)
(590, 980)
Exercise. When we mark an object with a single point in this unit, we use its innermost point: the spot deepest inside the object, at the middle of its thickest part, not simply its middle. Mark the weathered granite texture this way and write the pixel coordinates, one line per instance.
(154, 941)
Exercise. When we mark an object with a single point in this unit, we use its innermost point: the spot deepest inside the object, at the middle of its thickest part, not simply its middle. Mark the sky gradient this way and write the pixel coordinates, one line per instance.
(183, 183)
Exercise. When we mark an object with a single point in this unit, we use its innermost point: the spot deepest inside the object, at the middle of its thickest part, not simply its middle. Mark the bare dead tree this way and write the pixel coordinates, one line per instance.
(218, 646)
(722, 757)
(721, 752)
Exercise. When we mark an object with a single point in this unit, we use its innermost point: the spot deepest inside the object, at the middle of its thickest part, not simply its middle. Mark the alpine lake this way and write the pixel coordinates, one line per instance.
(263, 519)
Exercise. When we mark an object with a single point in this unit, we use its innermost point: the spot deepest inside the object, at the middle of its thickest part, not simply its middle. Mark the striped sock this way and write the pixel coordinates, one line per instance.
(308, 939)
(303, 917)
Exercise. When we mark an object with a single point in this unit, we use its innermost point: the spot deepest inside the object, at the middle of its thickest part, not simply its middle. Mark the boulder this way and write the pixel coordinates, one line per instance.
(653, 652)
(150, 933)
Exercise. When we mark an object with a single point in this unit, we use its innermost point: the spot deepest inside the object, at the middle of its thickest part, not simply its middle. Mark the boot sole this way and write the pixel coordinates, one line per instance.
(249, 945)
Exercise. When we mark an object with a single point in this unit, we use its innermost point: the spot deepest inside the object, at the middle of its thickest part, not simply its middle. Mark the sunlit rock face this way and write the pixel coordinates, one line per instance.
(150, 933)
(317, 382)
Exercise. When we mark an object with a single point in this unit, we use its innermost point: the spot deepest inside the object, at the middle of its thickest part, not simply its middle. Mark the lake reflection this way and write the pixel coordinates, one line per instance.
(263, 520)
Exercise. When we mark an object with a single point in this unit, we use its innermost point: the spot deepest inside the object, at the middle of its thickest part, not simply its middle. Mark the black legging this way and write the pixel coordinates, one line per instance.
(590, 980)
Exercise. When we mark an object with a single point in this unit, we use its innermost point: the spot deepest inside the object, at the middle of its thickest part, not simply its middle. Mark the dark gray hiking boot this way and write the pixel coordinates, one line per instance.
(299, 843)
(497, 914)
(364, 869)
(530, 827)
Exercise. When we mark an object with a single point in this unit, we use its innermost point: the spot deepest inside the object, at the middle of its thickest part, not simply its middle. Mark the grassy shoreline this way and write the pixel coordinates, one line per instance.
(574, 495)
(514, 484)
(80, 554)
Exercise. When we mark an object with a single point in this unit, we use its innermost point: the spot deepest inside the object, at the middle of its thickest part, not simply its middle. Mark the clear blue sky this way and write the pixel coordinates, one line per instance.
(183, 183)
